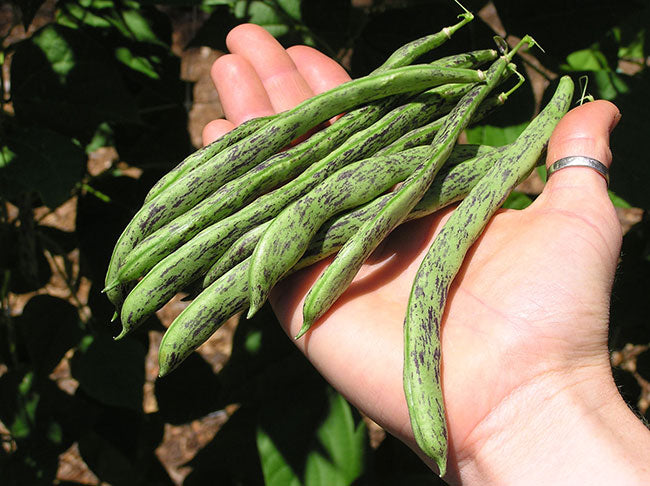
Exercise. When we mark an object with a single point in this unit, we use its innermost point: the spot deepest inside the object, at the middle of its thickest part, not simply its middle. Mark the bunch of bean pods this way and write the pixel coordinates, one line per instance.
(243, 212)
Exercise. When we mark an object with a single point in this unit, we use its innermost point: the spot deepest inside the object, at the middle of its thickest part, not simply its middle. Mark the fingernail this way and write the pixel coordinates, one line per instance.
(615, 121)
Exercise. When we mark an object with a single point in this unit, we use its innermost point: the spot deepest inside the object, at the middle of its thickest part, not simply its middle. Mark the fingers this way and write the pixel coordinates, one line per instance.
(274, 67)
(214, 129)
(241, 92)
(319, 71)
(260, 77)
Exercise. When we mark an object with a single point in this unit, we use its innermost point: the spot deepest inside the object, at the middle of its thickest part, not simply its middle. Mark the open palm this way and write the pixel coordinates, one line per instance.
(530, 302)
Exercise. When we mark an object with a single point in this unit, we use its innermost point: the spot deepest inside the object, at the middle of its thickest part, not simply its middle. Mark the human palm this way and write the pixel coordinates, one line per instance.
(529, 303)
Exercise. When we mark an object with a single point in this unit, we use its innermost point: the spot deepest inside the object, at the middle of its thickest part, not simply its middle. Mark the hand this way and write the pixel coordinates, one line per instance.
(525, 368)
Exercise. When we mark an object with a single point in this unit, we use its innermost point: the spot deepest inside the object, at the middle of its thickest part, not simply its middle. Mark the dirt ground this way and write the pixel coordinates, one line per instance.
(181, 443)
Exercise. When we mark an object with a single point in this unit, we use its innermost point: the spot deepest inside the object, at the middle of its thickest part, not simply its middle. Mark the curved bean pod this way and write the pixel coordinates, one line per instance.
(337, 277)
(239, 251)
(464, 168)
(194, 258)
(198, 321)
(411, 51)
(288, 235)
(423, 108)
(245, 154)
(235, 194)
(227, 294)
(268, 174)
(466, 164)
(441, 264)
(424, 135)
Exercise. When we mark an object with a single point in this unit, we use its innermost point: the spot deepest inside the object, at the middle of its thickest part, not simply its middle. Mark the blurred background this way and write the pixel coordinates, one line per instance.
(100, 98)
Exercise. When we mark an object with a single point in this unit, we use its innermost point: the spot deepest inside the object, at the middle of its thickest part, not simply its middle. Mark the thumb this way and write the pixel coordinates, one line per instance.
(582, 131)
(579, 194)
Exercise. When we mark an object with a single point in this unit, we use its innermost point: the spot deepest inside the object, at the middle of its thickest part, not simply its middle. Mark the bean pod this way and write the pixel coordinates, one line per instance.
(441, 264)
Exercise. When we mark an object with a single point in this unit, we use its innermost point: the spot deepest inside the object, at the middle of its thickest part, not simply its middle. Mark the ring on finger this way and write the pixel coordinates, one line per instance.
(579, 161)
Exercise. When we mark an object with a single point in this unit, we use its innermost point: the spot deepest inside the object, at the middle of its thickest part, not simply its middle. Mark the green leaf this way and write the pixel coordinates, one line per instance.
(42, 419)
(111, 372)
(335, 453)
(25, 419)
(291, 8)
(590, 59)
(103, 137)
(494, 135)
(137, 63)
(610, 85)
(50, 327)
(343, 443)
(517, 200)
(73, 14)
(263, 14)
(138, 27)
(276, 470)
(40, 160)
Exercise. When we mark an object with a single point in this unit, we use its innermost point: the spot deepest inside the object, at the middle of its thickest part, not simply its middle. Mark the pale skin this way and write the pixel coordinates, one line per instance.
(526, 376)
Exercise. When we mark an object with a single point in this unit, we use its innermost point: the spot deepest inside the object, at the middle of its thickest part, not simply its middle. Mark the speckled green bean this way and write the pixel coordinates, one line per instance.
(337, 277)
(194, 258)
(227, 294)
(464, 166)
(441, 264)
(194, 186)
(288, 235)
(423, 108)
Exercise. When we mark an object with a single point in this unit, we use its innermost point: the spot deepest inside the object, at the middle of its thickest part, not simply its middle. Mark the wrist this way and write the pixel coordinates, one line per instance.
(559, 428)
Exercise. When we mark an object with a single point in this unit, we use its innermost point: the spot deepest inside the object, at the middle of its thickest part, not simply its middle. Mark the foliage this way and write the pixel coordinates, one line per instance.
(102, 73)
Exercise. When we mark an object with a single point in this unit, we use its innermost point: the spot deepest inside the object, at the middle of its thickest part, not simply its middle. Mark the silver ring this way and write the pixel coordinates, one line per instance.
(579, 161)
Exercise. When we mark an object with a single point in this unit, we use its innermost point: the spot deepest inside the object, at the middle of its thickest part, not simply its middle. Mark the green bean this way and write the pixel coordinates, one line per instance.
(463, 169)
(272, 172)
(195, 257)
(424, 135)
(336, 278)
(227, 295)
(465, 166)
(408, 53)
(288, 235)
(239, 251)
(198, 321)
(235, 194)
(441, 264)
(245, 154)
(364, 142)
